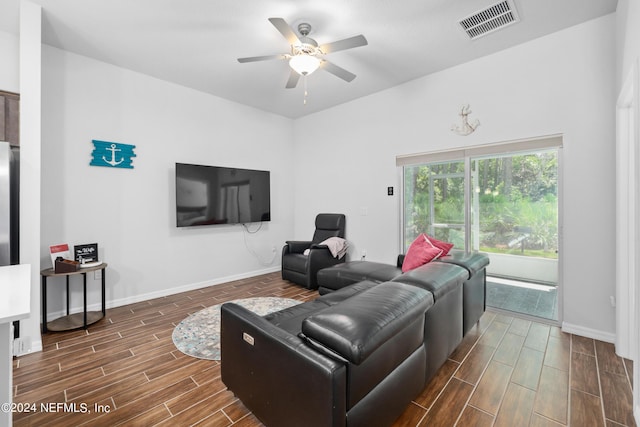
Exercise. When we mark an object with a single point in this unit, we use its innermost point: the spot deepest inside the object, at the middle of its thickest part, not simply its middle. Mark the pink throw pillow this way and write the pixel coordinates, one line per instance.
(445, 246)
(419, 253)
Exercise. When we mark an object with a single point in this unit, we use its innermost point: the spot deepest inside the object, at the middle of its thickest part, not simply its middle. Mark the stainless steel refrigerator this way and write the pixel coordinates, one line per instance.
(9, 199)
(9, 208)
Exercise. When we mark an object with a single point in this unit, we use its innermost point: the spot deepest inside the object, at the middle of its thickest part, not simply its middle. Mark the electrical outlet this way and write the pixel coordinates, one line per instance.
(97, 275)
(364, 254)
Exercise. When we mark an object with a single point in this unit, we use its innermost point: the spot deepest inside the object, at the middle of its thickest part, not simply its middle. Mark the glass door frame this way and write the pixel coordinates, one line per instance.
(433, 224)
(466, 155)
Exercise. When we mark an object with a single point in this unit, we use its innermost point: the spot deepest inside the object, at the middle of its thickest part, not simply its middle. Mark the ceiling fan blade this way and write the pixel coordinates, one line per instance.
(284, 28)
(351, 42)
(262, 58)
(337, 71)
(293, 80)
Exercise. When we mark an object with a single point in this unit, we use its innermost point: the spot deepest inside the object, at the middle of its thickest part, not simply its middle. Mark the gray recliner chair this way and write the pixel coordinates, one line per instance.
(302, 269)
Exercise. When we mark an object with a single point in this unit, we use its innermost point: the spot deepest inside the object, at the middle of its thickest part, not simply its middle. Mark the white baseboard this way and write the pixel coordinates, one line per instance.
(159, 294)
(588, 332)
(30, 346)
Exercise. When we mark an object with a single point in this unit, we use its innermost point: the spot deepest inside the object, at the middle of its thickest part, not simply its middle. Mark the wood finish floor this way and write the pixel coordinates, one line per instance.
(125, 370)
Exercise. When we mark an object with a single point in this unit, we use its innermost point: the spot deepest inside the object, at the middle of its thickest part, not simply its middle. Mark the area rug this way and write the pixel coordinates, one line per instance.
(199, 334)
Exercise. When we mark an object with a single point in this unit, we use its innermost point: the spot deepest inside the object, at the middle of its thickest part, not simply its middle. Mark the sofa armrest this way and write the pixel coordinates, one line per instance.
(358, 326)
(270, 370)
(325, 251)
(297, 246)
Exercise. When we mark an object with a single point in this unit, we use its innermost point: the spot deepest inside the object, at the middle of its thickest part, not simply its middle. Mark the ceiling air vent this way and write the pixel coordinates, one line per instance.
(491, 19)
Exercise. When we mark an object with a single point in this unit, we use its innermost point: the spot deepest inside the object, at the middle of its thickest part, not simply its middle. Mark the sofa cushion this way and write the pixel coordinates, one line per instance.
(328, 225)
(340, 295)
(290, 319)
(437, 277)
(472, 261)
(346, 274)
(419, 253)
(358, 326)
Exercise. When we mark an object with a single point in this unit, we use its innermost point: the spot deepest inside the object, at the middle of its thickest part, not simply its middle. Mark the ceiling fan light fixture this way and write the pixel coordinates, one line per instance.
(304, 64)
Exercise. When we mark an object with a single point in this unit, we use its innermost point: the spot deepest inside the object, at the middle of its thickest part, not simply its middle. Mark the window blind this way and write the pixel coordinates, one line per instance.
(548, 142)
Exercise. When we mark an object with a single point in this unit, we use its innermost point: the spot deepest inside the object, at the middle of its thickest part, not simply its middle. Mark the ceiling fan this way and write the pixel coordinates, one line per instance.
(306, 56)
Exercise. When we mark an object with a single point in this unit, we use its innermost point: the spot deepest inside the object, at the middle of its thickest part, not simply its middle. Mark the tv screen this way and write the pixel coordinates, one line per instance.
(207, 195)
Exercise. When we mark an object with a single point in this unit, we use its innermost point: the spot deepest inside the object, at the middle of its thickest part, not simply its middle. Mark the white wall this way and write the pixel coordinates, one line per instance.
(628, 62)
(30, 158)
(130, 213)
(9, 70)
(559, 84)
(628, 45)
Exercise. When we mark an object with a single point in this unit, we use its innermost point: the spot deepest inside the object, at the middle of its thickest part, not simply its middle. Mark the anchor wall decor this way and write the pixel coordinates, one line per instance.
(112, 154)
(465, 128)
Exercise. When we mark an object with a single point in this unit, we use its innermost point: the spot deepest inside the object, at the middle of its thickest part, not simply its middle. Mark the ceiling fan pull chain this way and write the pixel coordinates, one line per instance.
(304, 82)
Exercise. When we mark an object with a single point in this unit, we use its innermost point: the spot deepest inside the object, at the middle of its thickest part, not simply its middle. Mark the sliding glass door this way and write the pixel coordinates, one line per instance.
(514, 219)
(515, 208)
(502, 204)
(434, 202)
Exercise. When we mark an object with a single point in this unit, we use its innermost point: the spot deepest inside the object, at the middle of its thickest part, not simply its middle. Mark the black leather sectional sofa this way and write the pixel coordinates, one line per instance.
(358, 354)
(331, 279)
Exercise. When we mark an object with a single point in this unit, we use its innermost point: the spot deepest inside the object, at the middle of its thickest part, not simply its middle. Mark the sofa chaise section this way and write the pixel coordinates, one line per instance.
(443, 322)
(356, 357)
(474, 287)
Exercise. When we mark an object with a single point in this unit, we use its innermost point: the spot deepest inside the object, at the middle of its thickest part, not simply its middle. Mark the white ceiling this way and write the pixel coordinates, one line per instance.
(195, 43)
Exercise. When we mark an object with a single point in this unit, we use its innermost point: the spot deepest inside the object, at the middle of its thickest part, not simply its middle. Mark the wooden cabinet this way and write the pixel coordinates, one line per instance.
(10, 117)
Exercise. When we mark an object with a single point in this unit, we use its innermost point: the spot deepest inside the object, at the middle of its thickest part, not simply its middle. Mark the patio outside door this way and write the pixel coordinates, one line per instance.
(515, 220)
(508, 209)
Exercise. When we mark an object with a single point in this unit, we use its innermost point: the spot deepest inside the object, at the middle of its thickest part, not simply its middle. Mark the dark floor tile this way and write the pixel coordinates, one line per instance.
(582, 345)
(586, 410)
(617, 398)
(584, 374)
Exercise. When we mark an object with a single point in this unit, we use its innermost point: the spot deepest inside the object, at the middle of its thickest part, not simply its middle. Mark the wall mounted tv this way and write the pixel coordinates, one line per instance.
(207, 195)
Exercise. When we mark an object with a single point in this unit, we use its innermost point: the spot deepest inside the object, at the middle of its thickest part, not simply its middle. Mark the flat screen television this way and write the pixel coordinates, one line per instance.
(208, 195)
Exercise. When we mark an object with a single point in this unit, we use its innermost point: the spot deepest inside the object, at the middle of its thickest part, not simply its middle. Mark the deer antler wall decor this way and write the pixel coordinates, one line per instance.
(465, 127)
